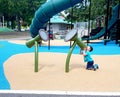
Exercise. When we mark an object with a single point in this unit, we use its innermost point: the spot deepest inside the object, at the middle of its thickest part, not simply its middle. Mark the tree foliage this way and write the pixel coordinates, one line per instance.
(23, 10)
(81, 11)
(19, 10)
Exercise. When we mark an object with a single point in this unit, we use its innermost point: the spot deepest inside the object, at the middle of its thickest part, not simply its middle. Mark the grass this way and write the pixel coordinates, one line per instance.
(5, 29)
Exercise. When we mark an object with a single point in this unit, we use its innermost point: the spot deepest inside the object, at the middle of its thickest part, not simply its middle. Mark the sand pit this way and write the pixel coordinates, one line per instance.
(19, 70)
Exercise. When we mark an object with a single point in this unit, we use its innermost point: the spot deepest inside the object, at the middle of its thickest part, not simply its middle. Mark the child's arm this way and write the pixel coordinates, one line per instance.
(84, 53)
(81, 51)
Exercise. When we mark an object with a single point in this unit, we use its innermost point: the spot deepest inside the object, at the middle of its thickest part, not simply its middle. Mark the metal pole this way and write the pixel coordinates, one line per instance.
(119, 11)
(49, 36)
(89, 25)
(69, 56)
(71, 24)
(3, 20)
(106, 22)
(36, 57)
(118, 25)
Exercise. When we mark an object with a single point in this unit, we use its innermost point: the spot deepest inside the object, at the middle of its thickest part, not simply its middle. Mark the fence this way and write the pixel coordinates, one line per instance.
(3, 24)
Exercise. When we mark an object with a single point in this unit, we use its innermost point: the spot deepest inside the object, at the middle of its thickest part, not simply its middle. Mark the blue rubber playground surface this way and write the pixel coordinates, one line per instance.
(8, 49)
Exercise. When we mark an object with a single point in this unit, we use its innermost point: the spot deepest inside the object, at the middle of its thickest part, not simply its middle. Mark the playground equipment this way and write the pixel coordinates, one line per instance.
(111, 23)
(42, 16)
(72, 36)
(46, 11)
(42, 36)
(34, 41)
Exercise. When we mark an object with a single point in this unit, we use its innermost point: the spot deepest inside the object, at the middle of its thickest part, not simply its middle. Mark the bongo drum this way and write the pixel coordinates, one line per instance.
(71, 35)
(43, 35)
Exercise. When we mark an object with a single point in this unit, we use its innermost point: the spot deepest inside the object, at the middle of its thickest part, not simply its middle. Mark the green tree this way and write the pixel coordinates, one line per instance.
(17, 10)
(81, 11)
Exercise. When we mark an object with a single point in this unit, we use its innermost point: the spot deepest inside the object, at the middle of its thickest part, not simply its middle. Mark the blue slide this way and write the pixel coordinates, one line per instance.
(46, 11)
(111, 22)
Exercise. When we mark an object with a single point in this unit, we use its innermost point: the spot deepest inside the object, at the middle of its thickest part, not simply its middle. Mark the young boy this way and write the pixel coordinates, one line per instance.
(87, 58)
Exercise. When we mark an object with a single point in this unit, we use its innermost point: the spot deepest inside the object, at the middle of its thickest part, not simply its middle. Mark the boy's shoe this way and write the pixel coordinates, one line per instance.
(96, 67)
(89, 68)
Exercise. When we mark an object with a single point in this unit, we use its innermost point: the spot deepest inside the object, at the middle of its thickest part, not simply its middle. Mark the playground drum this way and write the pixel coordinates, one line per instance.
(43, 35)
(70, 35)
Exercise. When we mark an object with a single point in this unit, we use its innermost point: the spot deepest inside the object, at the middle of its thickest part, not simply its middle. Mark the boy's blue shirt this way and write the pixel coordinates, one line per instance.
(88, 57)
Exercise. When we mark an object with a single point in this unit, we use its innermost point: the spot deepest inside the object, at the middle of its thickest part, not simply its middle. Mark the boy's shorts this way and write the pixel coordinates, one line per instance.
(90, 65)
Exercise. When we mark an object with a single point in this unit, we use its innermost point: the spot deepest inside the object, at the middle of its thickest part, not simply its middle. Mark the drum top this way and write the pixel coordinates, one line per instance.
(70, 35)
(43, 35)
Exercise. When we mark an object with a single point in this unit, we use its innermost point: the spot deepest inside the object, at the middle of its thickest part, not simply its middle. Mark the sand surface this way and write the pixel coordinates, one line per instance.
(19, 70)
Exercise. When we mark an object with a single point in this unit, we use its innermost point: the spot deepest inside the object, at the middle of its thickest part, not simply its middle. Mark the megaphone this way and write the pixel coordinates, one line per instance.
(72, 36)
(42, 36)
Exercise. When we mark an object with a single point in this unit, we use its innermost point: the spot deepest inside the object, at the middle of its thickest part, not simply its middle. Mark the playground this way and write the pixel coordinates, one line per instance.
(19, 67)
(59, 67)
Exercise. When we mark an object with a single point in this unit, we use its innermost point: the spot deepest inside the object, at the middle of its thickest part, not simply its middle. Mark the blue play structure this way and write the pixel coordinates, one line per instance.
(111, 23)
(46, 11)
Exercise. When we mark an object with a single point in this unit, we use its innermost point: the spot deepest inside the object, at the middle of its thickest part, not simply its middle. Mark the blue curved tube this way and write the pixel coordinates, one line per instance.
(46, 11)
